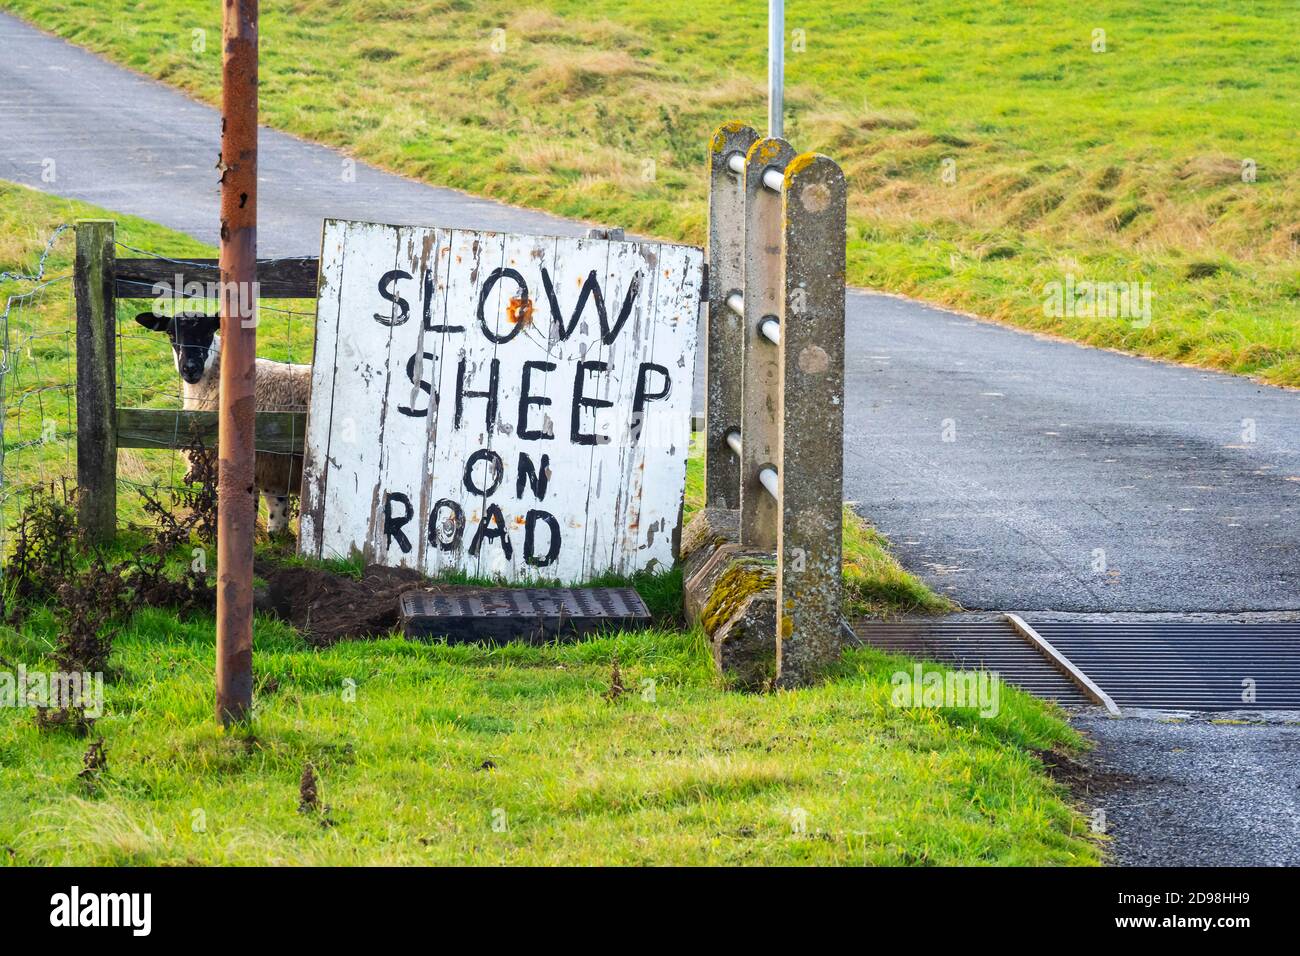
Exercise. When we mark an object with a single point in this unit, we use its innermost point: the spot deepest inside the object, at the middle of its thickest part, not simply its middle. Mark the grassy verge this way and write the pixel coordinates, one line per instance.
(992, 150)
(437, 754)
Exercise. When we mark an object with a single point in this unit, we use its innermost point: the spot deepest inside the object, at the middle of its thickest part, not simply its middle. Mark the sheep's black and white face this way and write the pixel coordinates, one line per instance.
(194, 340)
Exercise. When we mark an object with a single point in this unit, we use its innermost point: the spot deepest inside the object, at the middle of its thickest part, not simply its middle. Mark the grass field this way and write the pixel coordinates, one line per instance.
(993, 148)
(519, 755)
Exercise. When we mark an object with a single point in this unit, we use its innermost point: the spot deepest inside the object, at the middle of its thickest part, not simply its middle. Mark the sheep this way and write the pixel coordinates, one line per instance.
(196, 348)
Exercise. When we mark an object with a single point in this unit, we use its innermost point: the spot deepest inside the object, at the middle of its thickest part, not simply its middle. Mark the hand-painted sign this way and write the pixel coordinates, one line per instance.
(506, 406)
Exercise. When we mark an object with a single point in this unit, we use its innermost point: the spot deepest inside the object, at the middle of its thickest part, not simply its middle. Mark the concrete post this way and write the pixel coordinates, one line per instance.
(811, 458)
(761, 358)
(723, 335)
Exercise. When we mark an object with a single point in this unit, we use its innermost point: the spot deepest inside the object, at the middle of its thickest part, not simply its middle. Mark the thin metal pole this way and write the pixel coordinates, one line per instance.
(236, 499)
(775, 68)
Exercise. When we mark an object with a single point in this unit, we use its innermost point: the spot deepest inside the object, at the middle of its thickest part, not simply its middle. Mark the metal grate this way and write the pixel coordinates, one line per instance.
(535, 615)
(1184, 665)
(974, 645)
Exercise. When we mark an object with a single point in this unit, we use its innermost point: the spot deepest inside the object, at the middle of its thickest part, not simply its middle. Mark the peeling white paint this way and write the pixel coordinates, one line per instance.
(376, 432)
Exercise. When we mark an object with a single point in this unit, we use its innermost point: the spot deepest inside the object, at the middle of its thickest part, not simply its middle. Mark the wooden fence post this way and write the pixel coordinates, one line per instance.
(811, 471)
(723, 335)
(761, 357)
(96, 386)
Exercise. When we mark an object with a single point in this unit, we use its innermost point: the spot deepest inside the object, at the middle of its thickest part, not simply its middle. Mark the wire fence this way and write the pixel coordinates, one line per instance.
(37, 382)
(38, 374)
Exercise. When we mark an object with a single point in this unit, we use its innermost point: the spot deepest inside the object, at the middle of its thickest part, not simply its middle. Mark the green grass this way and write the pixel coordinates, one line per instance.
(1108, 166)
(675, 771)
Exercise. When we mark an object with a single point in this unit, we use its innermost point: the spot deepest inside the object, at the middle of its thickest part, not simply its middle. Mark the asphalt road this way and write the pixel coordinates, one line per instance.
(1180, 790)
(1075, 480)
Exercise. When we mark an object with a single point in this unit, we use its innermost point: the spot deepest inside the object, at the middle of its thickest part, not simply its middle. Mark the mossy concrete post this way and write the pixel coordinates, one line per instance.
(811, 465)
(762, 358)
(730, 592)
(93, 282)
(723, 335)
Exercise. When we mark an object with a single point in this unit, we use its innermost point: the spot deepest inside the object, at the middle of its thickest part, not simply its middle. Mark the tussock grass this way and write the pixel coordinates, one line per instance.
(1111, 166)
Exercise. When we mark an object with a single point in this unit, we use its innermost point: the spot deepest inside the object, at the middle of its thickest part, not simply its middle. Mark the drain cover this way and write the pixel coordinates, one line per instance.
(973, 645)
(535, 615)
(1186, 665)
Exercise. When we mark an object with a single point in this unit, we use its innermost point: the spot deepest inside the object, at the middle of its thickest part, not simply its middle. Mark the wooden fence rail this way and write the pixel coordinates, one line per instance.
(278, 433)
(102, 426)
(276, 278)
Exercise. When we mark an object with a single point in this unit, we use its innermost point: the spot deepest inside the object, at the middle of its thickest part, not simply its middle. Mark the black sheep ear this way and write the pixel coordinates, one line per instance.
(212, 323)
(154, 323)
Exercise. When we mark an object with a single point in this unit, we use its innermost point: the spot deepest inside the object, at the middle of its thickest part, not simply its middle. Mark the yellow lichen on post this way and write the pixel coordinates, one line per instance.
(766, 150)
(724, 133)
(741, 579)
(799, 164)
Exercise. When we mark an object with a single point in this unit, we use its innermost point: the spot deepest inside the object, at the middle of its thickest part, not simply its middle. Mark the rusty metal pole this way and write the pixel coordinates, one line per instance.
(236, 499)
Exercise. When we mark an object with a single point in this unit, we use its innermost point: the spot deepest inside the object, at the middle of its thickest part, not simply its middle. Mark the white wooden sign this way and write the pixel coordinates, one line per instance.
(515, 407)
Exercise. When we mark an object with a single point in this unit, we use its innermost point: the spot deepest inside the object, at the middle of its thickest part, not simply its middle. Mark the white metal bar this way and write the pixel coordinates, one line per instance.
(766, 474)
(736, 303)
(776, 68)
(733, 441)
(1063, 663)
(773, 178)
(770, 326)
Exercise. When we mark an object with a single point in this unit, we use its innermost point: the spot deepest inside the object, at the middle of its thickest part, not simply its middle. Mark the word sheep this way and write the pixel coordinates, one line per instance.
(280, 387)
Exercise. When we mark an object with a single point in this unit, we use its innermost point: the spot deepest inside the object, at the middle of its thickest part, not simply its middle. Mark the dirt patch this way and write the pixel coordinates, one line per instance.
(328, 607)
(1081, 779)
